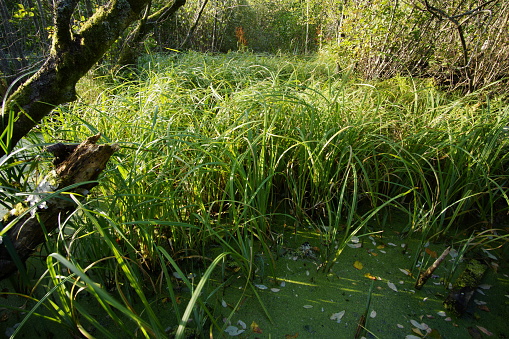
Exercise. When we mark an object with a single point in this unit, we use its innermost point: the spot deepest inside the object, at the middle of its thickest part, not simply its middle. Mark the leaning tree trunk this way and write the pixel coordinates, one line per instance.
(76, 169)
(72, 55)
(132, 46)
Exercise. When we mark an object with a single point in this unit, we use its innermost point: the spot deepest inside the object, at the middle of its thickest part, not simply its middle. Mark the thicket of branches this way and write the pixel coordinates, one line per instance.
(462, 43)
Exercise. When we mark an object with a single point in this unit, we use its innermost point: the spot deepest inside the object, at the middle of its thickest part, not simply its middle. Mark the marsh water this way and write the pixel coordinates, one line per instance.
(298, 300)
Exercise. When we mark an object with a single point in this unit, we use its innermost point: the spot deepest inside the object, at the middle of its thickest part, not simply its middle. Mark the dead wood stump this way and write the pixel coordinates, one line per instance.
(77, 166)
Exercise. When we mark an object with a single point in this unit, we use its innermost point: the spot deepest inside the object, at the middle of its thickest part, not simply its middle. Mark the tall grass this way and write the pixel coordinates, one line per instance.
(219, 150)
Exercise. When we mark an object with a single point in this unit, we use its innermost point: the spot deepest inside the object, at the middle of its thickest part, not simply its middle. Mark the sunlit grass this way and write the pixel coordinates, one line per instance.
(219, 149)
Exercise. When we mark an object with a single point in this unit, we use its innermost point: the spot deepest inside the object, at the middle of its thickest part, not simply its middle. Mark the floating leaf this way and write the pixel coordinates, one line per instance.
(358, 265)
(233, 331)
(417, 331)
(357, 245)
(421, 326)
(491, 256)
(485, 331)
(255, 328)
(474, 333)
(337, 316)
(431, 253)
(405, 271)
(392, 286)
(372, 314)
(369, 276)
(484, 308)
(434, 334)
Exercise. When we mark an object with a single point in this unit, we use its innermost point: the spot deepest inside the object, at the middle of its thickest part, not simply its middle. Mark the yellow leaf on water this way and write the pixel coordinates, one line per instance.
(358, 265)
(370, 276)
(255, 328)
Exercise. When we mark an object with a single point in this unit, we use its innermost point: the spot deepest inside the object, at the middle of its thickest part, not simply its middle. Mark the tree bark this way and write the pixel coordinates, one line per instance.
(132, 45)
(72, 55)
(75, 164)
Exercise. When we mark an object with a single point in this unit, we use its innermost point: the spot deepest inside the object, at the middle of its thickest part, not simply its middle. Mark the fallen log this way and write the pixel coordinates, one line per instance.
(77, 168)
(464, 287)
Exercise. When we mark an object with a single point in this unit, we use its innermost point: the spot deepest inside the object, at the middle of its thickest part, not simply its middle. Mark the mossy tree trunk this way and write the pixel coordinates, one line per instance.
(72, 55)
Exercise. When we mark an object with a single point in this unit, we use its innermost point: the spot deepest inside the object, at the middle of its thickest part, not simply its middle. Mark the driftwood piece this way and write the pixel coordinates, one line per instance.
(74, 164)
(464, 287)
(424, 276)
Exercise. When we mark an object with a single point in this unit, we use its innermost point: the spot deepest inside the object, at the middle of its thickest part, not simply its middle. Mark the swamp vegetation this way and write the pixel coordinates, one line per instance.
(240, 174)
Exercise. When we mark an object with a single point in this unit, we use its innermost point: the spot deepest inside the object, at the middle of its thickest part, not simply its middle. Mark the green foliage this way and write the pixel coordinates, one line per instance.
(219, 150)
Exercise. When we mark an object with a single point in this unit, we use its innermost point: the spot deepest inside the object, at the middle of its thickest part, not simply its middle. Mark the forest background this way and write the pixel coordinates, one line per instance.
(460, 43)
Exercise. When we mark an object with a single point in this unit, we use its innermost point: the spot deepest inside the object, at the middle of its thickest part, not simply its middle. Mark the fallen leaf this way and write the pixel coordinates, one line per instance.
(262, 287)
(291, 336)
(405, 271)
(380, 246)
(417, 331)
(337, 316)
(434, 334)
(275, 289)
(369, 276)
(484, 308)
(485, 286)
(308, 306)
(474, 333)
(400, 326)
(421, 326)
(354, 239)
(223, 303)
(431, 253)
(392, 286)
(242, 324)
(233, 331)
(358, 265)
(479, 302)
(392, 244)
(410, 336)
(372, 314)
(255, 328)
(357, 245)
(485, 331)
